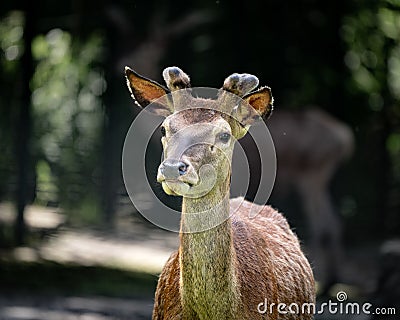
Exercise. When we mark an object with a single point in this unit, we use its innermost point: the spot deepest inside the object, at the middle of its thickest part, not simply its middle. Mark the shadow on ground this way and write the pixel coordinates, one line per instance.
(51, 291)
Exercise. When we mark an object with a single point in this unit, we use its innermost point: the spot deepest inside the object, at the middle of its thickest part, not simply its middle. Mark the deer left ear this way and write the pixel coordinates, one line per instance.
(145, 92)
(253, 107)
(257, 105)
(261, 100)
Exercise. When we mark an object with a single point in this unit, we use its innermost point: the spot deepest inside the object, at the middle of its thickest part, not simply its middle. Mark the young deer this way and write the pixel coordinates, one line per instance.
(228, 263)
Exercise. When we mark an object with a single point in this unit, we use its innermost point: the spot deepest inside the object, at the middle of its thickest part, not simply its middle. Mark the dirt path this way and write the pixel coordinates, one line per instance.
(133, 245)
(19, 307)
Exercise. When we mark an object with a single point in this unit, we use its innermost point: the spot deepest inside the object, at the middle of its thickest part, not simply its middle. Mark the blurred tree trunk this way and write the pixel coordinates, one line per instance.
(98, 14)
(111, 151)
(385, 167)
(23, 155)
(111, 146)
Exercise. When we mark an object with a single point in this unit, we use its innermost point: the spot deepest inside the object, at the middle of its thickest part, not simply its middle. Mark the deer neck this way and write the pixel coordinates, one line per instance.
(207, 258)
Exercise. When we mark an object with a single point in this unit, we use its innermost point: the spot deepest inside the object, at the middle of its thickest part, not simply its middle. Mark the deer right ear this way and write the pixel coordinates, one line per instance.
(146, 92)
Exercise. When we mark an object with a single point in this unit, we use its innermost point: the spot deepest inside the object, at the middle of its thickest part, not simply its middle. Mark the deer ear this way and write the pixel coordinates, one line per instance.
(146, 92)
(254, 106)
(261, 100)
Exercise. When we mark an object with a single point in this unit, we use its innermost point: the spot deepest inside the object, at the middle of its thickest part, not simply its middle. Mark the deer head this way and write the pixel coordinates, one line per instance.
(198, 134)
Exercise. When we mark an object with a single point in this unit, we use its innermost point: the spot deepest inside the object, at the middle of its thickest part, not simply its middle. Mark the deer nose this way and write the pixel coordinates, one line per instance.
(173, 169)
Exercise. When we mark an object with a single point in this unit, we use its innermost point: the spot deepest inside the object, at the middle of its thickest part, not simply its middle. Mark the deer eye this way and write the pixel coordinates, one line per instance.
(224, 137)
(163, 132)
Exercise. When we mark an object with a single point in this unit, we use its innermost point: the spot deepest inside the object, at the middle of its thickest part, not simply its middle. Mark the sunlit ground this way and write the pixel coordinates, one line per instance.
(71, 273)
(129, 247)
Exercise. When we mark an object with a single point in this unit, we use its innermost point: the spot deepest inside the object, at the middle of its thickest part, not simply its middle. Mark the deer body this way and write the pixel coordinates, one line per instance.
(236, 267)
(228, 264)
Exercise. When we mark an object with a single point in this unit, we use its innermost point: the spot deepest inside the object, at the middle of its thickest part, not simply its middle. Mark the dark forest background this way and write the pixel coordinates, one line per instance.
(65, 109)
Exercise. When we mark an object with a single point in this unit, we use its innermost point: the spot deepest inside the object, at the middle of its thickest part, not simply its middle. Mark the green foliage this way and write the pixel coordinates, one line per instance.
(373, 39)
(46, 189)
(11, 49)
(393, 145)
(67, 88)
(394, 71)
(11, 31)
(372, 36)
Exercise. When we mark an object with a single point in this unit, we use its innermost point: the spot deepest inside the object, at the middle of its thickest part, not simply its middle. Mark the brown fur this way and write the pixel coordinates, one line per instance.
(239, 262)
(270, 265)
